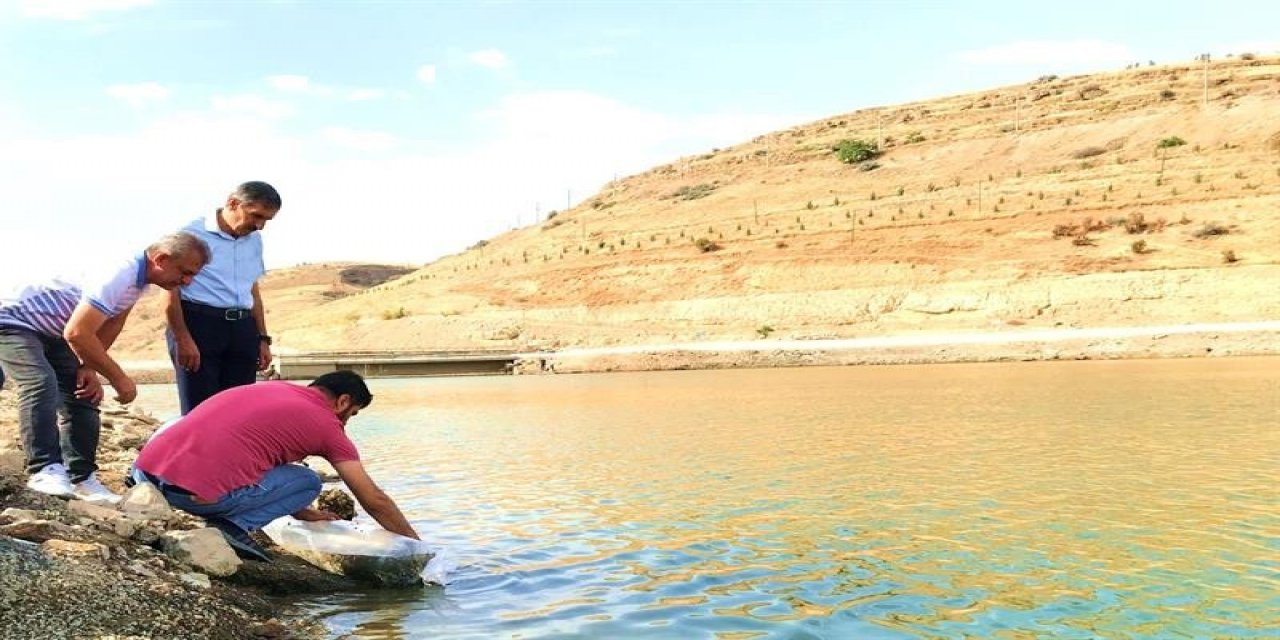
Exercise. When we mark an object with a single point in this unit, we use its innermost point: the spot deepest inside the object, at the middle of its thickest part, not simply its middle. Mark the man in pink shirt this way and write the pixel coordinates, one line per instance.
(231, 460)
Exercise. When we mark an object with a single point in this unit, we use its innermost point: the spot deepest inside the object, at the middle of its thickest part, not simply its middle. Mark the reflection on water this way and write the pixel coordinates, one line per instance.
(1065, 500)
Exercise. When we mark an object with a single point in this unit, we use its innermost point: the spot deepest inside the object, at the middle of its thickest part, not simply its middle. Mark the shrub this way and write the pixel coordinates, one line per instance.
(1211, 229)
(705, 245)
(869, 166)
(914, 137)
(764, 330)
(1139, 247)
(856, 151)
(693, 192)
(396, 314)
(1167, 94)
(1136, 223)
(1170, 142)
(1229, 256)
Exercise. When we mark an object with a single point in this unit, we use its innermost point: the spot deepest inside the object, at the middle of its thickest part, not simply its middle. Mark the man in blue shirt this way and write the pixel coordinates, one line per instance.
(217, 326)
(54, 337)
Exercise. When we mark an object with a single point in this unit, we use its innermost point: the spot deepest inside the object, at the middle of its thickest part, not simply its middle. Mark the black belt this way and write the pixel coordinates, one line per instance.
(161, 484)
(230, 315)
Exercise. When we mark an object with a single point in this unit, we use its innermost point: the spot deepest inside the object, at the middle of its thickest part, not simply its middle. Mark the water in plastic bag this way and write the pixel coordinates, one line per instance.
(363, 552)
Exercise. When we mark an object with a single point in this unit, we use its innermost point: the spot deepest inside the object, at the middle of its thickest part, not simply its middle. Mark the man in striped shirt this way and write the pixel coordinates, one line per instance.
(54, 337)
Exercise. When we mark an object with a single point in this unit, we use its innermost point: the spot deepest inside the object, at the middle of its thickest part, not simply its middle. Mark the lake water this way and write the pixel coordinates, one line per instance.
(1134, 499)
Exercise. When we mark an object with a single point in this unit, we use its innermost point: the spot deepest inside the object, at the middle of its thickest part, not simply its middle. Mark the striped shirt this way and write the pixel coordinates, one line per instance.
(234, 265)
(46, 307)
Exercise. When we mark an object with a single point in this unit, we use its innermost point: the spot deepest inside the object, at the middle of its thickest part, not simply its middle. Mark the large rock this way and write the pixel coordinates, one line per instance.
(108, 517)
(204, 549)
(38, 530)
(144, 501)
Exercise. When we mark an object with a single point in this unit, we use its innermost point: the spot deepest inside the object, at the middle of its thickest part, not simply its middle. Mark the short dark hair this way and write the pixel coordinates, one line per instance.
(258, 192)
(347, 382)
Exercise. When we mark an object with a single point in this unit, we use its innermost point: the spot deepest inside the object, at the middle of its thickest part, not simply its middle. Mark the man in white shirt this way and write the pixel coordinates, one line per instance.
(217, 326)
(54, 337)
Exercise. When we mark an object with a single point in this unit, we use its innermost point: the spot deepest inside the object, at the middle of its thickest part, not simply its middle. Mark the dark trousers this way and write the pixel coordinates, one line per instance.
(228, 353)
(56, 426)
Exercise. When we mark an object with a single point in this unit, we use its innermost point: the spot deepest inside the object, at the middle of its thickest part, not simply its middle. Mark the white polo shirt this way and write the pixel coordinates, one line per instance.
(234, 265)
(45, 307)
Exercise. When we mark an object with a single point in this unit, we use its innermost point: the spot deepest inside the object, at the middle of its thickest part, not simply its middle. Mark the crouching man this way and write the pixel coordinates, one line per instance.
(231, 460)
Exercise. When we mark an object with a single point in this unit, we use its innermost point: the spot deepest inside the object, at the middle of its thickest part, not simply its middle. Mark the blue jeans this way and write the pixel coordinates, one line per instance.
(56, 426)
(285, 489)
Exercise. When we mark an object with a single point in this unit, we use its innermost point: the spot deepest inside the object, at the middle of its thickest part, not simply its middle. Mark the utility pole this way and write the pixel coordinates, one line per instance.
(880, 130)
(755, 208)
(1017, 120)
(979, 196)
(1206, 80)
(568, 197)
(853, 224)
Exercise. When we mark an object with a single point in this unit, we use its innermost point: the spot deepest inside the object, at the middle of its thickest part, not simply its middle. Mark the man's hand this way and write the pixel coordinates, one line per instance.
(315, 515)
(126, 390)
(88, 387)
(188, 353)
(264, 356)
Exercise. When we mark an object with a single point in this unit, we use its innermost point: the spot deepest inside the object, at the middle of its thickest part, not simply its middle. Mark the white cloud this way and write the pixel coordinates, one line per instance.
(427, 73)
(489, 58)
(76, 9)
(138, 95)
(289, 82)
(359, 140)
(346, 190)
(253, 104)
(362, 95)
(1051, 52)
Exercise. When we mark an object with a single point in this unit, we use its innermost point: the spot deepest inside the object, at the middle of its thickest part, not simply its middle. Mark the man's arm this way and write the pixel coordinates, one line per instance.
(81, 333)
(378, 504)
(110, 330)
(188, 353)
(260, 317)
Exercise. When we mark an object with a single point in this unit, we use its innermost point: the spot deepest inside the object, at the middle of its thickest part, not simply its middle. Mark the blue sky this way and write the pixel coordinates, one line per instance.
(403, 131)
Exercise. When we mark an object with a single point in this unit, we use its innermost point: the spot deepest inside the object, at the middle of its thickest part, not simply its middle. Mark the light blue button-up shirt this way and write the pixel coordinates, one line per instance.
(227, 281)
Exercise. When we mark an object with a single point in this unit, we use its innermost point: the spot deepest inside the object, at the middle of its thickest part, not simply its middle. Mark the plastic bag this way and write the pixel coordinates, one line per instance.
(366, 553)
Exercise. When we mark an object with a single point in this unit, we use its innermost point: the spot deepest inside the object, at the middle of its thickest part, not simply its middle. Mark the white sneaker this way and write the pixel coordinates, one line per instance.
(52, 480)
(91, 490)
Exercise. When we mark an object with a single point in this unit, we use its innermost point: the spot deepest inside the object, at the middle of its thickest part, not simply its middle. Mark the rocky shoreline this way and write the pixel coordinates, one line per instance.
(70, 569)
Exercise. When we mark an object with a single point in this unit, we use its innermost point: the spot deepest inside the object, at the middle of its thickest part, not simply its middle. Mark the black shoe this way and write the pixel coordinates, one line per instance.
(239, 539)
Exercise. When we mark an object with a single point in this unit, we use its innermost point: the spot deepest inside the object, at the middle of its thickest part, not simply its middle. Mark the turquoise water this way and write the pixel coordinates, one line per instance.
(1132, 499)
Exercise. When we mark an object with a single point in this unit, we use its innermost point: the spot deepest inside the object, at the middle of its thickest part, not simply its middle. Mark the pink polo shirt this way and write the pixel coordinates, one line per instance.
(234, 438)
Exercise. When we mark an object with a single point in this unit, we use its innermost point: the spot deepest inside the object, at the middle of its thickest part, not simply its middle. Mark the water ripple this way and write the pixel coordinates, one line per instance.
(1065, 500)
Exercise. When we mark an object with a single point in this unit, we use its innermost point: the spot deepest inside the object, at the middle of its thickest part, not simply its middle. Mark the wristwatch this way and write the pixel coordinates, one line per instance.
(265, 338)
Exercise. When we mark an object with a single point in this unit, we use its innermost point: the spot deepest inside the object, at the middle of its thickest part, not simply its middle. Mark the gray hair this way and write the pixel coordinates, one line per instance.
(181, 244)
(258, 192)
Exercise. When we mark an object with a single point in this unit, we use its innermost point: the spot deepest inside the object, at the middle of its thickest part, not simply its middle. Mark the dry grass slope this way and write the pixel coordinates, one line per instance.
(1061, 202)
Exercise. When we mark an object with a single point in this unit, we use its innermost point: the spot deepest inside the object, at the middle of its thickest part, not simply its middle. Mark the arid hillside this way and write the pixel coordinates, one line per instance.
(1144, 196)
(288, 291)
